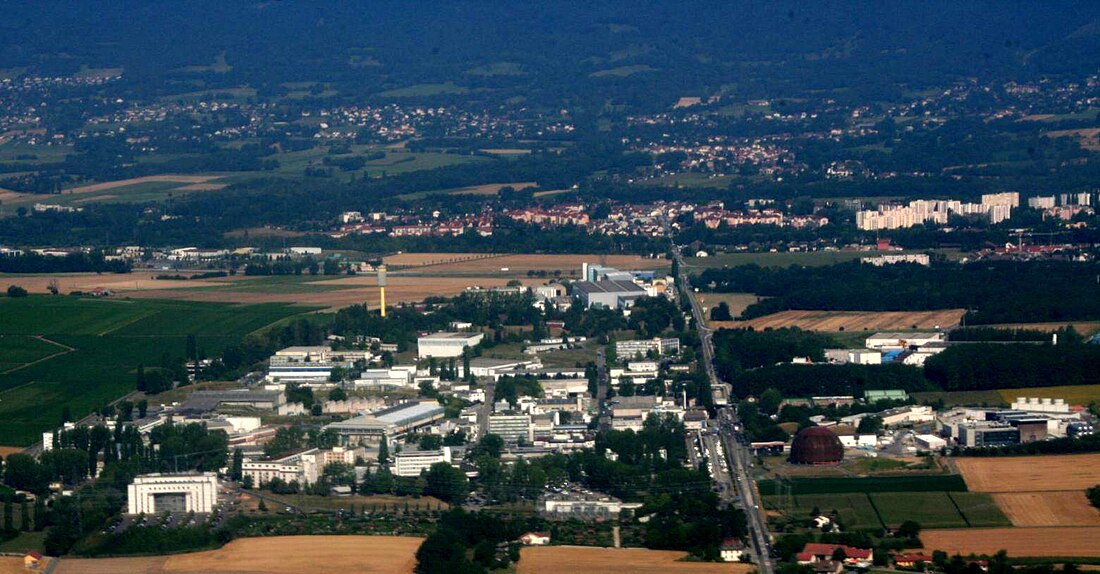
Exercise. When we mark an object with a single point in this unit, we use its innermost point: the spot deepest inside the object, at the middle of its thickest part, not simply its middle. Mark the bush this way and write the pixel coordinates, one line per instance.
(16, 291)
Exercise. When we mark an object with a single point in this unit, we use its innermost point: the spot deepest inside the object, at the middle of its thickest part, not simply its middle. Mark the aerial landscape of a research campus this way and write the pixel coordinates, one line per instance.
(550, 287)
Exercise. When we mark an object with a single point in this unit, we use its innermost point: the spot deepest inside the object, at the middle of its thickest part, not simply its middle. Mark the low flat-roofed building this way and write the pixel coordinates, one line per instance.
(495, 368)
(874, 396)
(610, 294)
(584, 506)
(285, 370)
(446, 344)
(205, 401)
(389, 422)
(901, 340)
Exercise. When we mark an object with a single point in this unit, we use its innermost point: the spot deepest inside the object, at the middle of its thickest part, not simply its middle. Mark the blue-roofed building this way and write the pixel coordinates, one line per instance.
(891, 356)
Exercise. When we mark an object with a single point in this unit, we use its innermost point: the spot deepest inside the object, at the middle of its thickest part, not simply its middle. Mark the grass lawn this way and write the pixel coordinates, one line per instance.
(1073, 394)
(971, 398)
(111, 337)
(882, 465)
(25, 542)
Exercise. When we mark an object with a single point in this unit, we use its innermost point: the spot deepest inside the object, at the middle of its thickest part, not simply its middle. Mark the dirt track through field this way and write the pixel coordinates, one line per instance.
(188, 179)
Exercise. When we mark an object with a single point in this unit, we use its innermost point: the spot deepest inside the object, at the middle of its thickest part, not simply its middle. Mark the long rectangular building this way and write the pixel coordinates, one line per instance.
(387, 423)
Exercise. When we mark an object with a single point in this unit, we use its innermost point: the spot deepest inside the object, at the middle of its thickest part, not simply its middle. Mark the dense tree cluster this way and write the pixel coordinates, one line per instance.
(993, 292)
(71, 263)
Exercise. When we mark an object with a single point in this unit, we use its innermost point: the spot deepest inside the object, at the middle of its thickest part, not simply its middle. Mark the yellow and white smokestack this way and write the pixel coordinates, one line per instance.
(382, 289)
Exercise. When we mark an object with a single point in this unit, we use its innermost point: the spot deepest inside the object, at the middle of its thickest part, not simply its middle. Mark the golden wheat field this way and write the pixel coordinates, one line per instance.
(1018, 542)
(1031, 473)
(273, 555)
(587, 559)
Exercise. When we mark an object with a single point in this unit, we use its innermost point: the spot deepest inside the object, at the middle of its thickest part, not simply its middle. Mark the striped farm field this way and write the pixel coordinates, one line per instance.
(1069, 508)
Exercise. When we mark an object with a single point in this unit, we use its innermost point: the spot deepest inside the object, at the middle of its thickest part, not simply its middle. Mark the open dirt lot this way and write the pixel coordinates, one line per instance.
(583, 560)
(1031, 473)
(121, 282)
(275, 555)
(1018, 542)
(852, 320)
(334, 293)
(1070, 508)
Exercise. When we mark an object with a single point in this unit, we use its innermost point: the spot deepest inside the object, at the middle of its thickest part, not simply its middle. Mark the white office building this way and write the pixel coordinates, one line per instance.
(410, 463)
(304, 467)
(629, 349)
(512, 428)
(179, 493)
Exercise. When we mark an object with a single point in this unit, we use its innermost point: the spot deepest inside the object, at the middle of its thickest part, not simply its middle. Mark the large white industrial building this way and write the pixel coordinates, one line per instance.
(157, 493)
(446, 344)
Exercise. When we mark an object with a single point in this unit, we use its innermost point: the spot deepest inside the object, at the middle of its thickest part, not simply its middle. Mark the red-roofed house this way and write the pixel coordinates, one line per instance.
(815, 552)
(535, 538)
(911, 560)
(731, 550)
(32, 560)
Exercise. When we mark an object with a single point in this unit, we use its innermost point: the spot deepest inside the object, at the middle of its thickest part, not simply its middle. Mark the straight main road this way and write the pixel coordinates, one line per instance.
(738, 457)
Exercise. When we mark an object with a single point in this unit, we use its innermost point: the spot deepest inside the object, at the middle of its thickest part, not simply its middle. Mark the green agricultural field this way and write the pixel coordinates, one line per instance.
(109, 339)
(1073, 394)
(980, 510)
(920, 483)
(930, 509)
(854, 509)
(21, 349)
